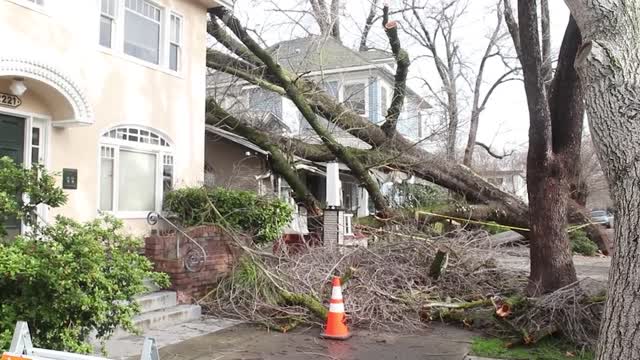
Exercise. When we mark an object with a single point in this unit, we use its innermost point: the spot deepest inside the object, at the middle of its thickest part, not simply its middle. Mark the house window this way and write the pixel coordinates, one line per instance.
(36, 145)
(107, 18)
(383, 101)
(354, 97)
(167, 173)
(175, 40)
(496, 181)
(136, 170)
(332, 88)
(142, 23)
(262, 102)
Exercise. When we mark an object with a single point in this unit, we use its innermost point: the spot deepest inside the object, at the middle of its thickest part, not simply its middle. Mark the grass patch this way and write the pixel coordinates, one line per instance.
(546, 349)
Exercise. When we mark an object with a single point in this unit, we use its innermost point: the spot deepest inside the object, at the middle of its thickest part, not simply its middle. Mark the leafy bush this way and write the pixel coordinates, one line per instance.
(417, 196)
(243, 210)
(83, 277)
(581, 244)
(65, 279)
(35, 182)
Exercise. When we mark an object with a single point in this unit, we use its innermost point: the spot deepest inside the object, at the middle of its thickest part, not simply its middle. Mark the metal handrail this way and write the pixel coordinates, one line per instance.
(152, 219)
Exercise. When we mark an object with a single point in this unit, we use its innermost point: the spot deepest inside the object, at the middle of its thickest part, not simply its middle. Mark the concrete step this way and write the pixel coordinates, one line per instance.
(150, 285)
(157, 300)
(169, 316)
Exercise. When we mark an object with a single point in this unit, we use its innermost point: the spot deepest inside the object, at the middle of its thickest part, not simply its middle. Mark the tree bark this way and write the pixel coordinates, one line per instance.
(550, 253)
(400, 78)
(608, 65)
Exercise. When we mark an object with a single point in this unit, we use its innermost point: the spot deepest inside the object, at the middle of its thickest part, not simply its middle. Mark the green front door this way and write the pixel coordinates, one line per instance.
(12, 145)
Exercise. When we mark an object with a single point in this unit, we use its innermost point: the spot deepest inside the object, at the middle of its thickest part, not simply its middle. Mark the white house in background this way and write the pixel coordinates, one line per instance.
(511, 181)
(109, 93)
(363, 81)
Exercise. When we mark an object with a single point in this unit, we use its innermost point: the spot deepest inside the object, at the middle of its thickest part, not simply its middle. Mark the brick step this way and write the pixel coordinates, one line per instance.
(157, 300)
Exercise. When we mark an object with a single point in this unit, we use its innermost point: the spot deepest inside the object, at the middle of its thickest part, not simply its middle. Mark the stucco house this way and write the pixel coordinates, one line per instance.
(107, 93)
(362, 81)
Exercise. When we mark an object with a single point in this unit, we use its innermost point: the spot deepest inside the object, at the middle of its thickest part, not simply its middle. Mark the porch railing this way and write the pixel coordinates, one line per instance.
(194, 258)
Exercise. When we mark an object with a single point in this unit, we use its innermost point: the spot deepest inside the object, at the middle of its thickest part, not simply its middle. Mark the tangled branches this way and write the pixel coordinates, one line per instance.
(385, 285)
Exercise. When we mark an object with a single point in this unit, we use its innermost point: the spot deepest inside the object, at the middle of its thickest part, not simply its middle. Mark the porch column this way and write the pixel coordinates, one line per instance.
(363, 202)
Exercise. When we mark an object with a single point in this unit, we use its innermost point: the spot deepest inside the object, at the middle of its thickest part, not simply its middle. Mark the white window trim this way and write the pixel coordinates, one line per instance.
(180, 43)
(34, 120)
(43, 9)
(117, 38)
(388, 100)
(366, 93)
(118, 144)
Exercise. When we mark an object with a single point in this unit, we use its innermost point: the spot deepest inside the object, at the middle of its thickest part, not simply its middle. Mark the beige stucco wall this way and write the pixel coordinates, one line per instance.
(121, 90)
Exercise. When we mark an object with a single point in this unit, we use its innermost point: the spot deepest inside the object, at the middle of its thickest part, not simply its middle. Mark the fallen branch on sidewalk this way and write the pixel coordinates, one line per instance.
(387, 283)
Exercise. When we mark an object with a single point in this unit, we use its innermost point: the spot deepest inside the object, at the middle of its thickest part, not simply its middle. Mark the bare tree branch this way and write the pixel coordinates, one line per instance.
(402, 69)
(487, 148)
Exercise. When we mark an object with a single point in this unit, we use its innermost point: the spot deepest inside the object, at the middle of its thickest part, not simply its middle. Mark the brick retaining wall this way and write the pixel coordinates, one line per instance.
(160, 248)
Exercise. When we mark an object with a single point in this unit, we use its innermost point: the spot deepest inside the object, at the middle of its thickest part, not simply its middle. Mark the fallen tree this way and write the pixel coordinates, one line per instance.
(395, 151)
(404, 281)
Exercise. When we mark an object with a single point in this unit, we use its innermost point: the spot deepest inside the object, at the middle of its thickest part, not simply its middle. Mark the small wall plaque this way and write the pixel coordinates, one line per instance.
(70, 179)
(10, 100)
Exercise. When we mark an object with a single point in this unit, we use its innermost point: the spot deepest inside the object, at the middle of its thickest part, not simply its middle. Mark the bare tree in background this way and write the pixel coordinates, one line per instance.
(325, 13)
(556, 113)
(434, 27)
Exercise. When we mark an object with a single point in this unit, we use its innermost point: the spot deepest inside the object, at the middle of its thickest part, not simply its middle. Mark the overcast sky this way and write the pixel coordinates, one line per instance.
(504, 123)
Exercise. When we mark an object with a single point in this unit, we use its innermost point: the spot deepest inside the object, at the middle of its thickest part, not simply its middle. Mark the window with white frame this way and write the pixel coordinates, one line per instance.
(384, 102)
(144, 30)
(175, 41)
(136, 170)
(107, 19)
(142, 25)
(355, 97)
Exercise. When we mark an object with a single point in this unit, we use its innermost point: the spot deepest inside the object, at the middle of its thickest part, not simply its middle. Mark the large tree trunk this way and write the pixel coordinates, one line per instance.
(547, 186)
(608, 64)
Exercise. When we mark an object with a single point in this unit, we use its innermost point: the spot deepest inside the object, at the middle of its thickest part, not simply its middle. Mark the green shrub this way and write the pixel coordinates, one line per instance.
(35, 182)
(82, 277)
(243, 210)
(581, 244)
(417, 196)
(66, 279)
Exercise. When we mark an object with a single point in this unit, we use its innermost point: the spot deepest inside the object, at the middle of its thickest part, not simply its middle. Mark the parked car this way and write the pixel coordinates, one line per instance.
(602, 217)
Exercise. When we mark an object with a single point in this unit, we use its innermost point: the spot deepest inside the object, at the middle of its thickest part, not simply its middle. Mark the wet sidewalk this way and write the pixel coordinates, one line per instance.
(247, 342)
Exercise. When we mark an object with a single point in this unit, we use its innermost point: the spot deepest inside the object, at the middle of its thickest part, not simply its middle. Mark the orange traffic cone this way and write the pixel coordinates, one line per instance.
(336, 328)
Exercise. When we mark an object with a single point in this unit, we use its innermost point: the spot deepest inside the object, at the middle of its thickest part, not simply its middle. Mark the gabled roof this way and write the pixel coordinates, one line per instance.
(317, 53)
(377, 56)
(234, 138)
